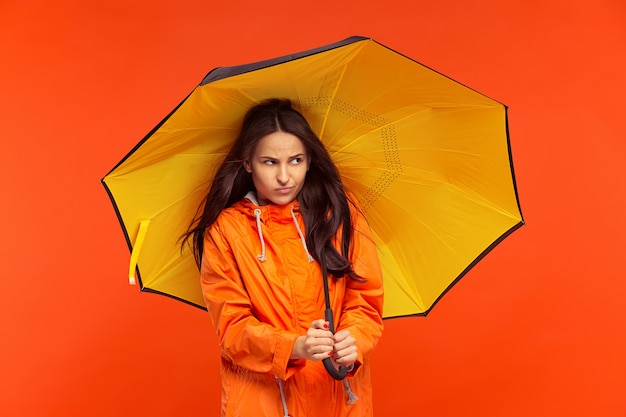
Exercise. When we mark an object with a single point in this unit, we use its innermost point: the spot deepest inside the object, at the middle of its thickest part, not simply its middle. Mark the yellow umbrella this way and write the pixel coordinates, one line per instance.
(428, 158)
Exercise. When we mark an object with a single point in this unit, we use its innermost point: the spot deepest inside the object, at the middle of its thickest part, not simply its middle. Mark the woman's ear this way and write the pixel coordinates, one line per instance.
(247, 166)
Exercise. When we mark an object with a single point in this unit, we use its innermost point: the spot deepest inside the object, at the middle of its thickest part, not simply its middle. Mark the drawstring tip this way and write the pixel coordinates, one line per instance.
(257, 214)
(352, 398)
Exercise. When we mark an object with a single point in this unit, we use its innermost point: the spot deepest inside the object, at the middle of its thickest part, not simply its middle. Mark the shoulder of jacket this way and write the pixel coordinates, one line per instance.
(231, 215)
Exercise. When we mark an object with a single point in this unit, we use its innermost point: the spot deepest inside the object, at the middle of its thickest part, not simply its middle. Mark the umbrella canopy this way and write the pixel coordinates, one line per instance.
(427, 157)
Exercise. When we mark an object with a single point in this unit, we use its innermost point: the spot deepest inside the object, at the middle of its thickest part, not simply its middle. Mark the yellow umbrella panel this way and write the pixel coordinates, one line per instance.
(427, 157)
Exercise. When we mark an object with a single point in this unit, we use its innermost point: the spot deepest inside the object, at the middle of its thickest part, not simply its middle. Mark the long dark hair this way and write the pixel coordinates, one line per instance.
(323, 200)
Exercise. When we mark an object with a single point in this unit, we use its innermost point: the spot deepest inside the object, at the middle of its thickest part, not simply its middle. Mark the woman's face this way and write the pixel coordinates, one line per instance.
(278, 167)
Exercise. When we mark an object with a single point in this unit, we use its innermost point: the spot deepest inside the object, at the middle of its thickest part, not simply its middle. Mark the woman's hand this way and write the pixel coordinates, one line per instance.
(316, 345)
(345, 350)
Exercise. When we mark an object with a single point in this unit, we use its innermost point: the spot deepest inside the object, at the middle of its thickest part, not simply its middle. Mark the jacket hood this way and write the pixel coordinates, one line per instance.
(266, 215)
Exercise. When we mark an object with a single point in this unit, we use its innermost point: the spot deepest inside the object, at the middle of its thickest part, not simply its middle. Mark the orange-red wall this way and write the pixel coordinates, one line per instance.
(538, 328)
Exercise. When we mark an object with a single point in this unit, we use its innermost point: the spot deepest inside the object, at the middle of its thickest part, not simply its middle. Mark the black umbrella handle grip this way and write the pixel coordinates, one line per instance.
(340, 373)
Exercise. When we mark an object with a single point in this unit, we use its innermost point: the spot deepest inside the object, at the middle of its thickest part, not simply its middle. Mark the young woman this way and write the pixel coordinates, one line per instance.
(276, 209)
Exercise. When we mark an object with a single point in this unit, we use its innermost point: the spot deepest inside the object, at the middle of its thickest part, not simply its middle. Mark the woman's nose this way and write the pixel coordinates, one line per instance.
(282, 175)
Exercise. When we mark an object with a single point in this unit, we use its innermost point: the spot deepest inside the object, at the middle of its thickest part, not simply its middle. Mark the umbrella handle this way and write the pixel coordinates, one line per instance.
(340, 373)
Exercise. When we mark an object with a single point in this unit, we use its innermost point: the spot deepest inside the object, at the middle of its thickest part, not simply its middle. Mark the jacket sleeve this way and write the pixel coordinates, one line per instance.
(362, 308)
(245, 340)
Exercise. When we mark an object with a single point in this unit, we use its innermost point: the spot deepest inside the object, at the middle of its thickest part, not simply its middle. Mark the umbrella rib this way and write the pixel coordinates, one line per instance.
(332, 101)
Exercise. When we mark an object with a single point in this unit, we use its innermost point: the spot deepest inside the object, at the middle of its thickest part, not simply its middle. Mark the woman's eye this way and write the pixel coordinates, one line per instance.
(269, 162)
(296, 161)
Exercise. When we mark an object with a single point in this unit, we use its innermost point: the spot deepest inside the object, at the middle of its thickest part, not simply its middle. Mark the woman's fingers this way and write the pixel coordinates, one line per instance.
(319, 341)
(346, 356)
(346, 351)
(320, 324)
(343, 339)
(320, 344)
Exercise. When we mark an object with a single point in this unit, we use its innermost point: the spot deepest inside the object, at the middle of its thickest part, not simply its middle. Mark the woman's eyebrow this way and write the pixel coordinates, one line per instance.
(298, 155)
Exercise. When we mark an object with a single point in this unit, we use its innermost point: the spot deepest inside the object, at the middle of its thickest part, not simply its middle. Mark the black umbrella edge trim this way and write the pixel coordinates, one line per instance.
(147, 136)
(182, 300)
(497, 241)
(220, 73)
(508, 144)
(462, 274)
(438, 72)
(130, 248)
(119, 219)
(128, 154)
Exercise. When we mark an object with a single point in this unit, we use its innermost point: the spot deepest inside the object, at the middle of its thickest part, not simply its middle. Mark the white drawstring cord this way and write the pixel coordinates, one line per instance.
(257, 213)
(261, 257)
(282, 397)
(295, 221)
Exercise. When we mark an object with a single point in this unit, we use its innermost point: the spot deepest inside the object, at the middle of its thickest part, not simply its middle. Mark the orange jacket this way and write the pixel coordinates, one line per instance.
(260, 306)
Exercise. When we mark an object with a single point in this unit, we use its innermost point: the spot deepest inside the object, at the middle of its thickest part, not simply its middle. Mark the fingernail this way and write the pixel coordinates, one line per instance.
(326, 326)
(330, 353)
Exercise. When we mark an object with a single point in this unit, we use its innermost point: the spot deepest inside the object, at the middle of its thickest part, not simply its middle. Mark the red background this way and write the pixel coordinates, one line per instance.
(537, 328)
